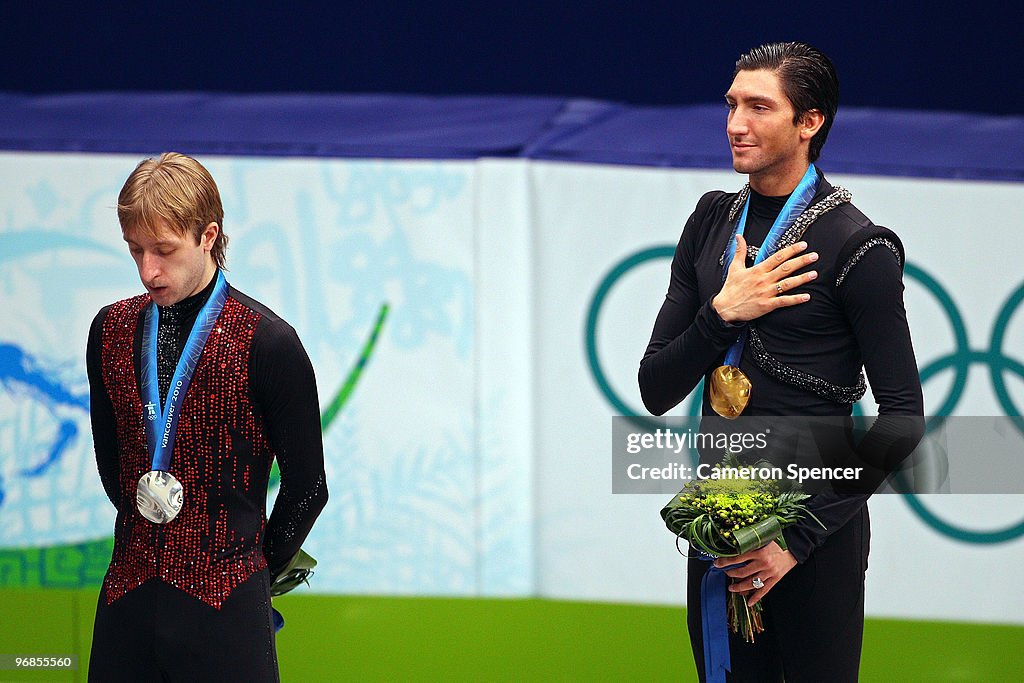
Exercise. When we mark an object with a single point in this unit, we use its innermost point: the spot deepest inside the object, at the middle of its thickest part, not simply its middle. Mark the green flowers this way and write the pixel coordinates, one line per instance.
(732, 511)
(725, 517)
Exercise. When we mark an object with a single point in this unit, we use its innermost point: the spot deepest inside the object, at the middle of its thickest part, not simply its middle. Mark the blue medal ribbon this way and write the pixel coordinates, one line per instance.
(166, 413)
(798, 201)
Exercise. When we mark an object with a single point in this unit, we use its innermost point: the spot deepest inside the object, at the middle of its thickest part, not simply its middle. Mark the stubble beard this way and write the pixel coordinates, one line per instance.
(759, 167)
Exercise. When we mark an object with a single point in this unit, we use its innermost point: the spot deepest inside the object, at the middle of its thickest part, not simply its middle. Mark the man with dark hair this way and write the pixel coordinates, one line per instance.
(807, 78)
(784, 328)
(195, 389)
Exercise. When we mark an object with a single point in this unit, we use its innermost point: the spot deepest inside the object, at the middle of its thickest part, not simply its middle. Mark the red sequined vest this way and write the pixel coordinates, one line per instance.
(221, 457)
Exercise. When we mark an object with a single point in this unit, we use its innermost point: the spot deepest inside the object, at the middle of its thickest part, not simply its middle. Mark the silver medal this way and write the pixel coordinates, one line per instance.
(159, 496)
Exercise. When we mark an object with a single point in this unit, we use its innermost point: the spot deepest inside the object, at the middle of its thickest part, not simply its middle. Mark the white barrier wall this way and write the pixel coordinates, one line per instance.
(590, 219)
(473, 457)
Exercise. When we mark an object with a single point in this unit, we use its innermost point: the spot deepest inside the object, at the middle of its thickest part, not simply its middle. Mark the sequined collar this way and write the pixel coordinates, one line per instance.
(816, 210)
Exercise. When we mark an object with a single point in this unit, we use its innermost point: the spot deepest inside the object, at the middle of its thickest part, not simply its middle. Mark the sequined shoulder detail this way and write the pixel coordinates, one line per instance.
(863, 249)
(837, 197)
(125, 312)
(782, 372)
(737, 203)
(117, 338)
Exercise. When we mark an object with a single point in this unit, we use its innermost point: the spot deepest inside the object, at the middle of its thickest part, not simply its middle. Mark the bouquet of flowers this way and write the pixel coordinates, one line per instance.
(731, 515)
(298, 570)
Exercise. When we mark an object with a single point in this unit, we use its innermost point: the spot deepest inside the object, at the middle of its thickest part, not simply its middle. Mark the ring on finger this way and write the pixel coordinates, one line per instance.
(778, 287)
(757, 582)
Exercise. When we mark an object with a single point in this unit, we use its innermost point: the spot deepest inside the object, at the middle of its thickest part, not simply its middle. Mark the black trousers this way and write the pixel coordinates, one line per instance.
(813, 618)
(159, 633)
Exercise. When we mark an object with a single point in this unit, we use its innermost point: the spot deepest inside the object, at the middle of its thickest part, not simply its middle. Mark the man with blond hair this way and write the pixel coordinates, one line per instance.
(195, 389)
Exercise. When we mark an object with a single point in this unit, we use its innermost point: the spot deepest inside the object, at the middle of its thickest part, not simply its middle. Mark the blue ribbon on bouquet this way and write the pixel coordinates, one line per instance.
(715, 621)
(714, 625)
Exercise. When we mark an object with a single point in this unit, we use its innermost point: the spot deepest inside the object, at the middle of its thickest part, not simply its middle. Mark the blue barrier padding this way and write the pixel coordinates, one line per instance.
(862, 140)
(275, 125)
(868, 141)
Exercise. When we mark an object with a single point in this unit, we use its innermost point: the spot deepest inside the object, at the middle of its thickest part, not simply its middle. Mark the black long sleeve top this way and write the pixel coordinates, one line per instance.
(855, 317)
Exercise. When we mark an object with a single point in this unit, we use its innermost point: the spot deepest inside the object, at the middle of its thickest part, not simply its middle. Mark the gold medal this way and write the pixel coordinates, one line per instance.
(730, 391)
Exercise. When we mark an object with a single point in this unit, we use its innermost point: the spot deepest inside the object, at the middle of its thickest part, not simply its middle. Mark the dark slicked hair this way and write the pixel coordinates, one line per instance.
(808, 79)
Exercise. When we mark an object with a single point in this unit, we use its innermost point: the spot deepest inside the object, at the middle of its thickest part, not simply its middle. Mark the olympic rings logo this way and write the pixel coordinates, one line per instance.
(959, 360)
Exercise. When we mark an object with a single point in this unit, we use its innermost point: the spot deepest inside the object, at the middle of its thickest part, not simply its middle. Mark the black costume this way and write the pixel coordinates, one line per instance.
(803, 360)
(189, 599)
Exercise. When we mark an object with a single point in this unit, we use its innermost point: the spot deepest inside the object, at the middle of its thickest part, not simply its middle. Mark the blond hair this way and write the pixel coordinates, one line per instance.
(173, 190)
